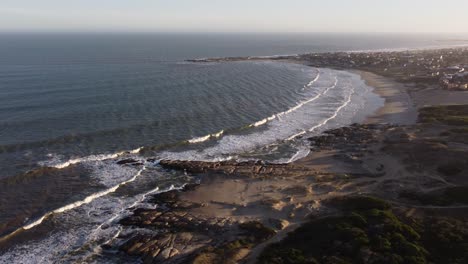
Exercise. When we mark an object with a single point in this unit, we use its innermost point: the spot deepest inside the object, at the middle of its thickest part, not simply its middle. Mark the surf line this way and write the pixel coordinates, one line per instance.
(205, 138)
(71, 206)
(325, 121)
(296, 107)
(141, 197)
(314, 80)
(268, 119)
(335, 114)
(100, 157)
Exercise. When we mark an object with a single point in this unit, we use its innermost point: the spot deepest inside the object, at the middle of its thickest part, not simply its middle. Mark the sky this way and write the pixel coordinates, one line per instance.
(434, 16)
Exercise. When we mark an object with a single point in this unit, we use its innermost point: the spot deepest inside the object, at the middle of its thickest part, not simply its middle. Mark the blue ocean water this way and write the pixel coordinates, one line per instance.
(77, 103)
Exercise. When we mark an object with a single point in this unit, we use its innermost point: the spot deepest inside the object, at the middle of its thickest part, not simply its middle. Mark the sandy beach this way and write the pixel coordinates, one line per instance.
(399, 107)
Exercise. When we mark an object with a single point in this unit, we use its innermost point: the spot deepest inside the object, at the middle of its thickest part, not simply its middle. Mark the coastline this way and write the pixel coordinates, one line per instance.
(241, 209)
(398, 108)
(278, 197)
(238, 210)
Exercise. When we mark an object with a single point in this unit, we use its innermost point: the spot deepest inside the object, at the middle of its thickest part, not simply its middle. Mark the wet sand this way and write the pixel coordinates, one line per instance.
(399, 107)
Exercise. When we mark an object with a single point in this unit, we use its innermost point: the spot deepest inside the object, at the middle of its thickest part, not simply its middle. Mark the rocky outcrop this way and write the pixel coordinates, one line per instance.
(355, 137)
(178, 235)
(253, 169)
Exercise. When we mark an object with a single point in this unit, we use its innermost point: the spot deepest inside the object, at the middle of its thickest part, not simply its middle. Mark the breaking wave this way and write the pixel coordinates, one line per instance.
(205, 138)
(61, 165)
(76, 204)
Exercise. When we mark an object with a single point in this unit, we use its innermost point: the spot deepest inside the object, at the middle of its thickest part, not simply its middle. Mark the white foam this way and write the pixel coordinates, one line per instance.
(301, 153)
(81, 243)
(136, 151)
(199, 139)
(139, 200)
(314, 80)
(297, 106)
(83, 159)
(296, 122)
(76, 204)
(335, 114)
(301, 104)
(205, 138)
(90, 158)
(263, 121)
(295, 136)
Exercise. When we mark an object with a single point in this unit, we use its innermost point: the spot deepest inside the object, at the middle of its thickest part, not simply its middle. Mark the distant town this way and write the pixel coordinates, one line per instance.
(445, 67)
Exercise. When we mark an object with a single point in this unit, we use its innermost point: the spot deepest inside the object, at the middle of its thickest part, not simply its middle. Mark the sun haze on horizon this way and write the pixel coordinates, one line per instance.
(426, 16)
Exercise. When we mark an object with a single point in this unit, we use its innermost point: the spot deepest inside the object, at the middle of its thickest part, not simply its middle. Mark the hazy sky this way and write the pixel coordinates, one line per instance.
(235, 16)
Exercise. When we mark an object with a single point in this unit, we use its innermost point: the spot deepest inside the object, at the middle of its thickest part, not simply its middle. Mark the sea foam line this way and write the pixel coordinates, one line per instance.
(205, 138)
(325, 121)
(314, 80)
(99, 157)
(142, 197)
(335, 114)
(263, 121)
(301, 104)
(71, 206)
(299, 154)
(296, 107)
(196, 140)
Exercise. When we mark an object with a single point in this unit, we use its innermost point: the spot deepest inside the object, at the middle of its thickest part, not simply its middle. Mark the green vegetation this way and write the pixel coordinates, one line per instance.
(257, 231)
(454, 115)
(367, 232)
(447, 196)
(445, 238)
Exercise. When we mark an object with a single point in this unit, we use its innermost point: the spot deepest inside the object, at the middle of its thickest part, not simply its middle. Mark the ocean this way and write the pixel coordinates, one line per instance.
(73, 105)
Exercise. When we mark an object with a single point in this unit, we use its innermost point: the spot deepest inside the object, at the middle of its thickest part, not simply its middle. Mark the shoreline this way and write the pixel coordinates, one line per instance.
(347, 161)
(236, 210)
(279, 197)
(398, 107)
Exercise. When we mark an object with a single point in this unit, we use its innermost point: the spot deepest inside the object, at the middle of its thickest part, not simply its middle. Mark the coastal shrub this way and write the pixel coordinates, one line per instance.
(445, 238)
(288, 256)
(370, 233)
(257, 230)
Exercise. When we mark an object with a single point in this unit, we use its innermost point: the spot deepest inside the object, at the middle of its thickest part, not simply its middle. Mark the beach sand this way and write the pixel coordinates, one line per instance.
(399, 107)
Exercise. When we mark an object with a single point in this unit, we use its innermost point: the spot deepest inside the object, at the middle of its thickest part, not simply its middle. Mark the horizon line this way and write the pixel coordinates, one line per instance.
(220, 32)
